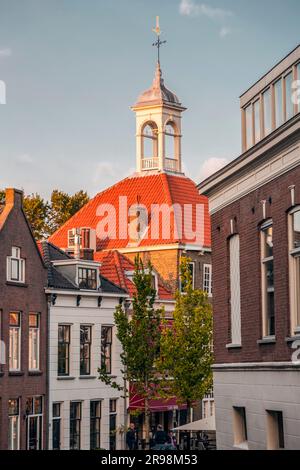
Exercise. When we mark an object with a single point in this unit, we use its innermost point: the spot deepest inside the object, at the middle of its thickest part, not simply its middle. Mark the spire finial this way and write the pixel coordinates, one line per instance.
(158, 42)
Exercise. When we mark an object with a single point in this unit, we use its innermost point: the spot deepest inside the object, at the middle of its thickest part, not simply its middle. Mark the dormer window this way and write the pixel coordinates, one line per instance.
(15, 266)
(87, 278)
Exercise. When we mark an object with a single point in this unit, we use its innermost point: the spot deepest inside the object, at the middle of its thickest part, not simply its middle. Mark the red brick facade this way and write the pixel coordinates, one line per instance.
(23, 298)
(247, 215)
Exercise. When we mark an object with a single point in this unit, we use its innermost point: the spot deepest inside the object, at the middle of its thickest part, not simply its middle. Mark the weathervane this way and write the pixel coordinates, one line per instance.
(157, 43)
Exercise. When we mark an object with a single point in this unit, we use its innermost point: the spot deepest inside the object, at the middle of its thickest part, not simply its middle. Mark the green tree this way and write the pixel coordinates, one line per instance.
(139, 333)
(186, 347)
(64, 206)
(37, 212)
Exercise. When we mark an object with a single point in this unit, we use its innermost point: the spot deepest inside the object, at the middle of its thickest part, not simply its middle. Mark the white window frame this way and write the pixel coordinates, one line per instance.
(210, 402)
(208, 288)
(264, 289)
(15, 329)
(294, 253)
(15, 256)
(10, 424)
(37, 331)
(40, 417)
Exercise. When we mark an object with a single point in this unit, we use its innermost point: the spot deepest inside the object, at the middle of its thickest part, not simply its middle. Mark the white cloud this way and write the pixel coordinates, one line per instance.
(224, 31)
(191, 8)
(25, 158)
(5, 52)
(210, 166)
(104, 169)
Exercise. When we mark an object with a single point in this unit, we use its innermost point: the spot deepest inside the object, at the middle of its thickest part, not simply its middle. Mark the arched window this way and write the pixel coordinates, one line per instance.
(170, 136)
(149, 136)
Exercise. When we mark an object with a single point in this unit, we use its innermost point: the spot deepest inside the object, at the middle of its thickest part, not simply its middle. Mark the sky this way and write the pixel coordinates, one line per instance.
(73, 68)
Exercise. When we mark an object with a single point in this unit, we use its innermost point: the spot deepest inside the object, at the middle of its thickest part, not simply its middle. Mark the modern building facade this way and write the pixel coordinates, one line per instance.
(23, 332)
(84, 413)
(255, 214)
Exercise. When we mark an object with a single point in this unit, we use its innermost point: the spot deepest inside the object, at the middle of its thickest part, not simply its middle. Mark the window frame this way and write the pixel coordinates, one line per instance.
(68, 348)
(20, 279)
(240, 429)
(10, 424)
(59, 420)
(15, 329)
(78, 421)
(87, 285)
(109, 344)
(35, 415)
(85, 371)
(265, 289)
(275, 430)
(208, 289)
(37, 331)
(294, 255)
(95, 425)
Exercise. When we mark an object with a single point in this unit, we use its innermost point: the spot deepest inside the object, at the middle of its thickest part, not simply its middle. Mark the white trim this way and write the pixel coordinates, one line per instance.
(83, 293)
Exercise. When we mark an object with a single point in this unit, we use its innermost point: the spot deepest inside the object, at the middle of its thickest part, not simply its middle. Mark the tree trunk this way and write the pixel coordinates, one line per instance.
(147, 421)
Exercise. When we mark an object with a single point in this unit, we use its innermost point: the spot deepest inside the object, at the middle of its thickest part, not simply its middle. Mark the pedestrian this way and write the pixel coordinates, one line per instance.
(160, 437)
(172, 439)
(131, 437)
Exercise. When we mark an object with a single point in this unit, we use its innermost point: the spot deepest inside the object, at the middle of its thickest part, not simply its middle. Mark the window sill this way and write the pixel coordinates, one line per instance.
(291, 339)
(15, 373)
(241, 446)
(35, 372)
(16, 284)
(87, 377)
(267, 340)
(65, 377)
(233, 346)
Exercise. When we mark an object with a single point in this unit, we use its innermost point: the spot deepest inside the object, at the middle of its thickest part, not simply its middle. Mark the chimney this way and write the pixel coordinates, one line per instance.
(14, 197)
(77, 244)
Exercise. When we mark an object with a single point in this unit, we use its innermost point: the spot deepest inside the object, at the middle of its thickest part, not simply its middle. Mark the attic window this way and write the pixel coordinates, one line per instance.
(87, 278)
(15, 266)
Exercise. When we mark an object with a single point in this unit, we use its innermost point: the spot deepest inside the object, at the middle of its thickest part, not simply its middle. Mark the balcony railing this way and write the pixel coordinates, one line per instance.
(171, 164)
(150, 163)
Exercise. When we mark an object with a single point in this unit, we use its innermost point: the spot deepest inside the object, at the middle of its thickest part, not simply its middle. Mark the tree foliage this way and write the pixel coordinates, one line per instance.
(139, 332)
(186, 347)
(46, 217)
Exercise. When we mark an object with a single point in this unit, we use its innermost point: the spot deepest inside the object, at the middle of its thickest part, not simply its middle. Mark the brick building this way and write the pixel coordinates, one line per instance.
(23, 331)
(255, 215)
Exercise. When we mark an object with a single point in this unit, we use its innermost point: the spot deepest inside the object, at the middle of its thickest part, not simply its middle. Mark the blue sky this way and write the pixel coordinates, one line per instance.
(72, 68)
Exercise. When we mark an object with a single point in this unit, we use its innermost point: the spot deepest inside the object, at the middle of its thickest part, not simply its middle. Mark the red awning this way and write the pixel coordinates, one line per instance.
(136, 402)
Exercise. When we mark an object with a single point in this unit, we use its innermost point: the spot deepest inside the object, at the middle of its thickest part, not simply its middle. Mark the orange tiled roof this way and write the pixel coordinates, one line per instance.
(113, 267)
(159, 188)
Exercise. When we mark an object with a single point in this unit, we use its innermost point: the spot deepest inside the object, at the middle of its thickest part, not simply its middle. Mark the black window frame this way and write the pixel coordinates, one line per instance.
(75, 425)
(85, 349)
(85, 279)
(106, 347)
(95, 424)
(63, 347)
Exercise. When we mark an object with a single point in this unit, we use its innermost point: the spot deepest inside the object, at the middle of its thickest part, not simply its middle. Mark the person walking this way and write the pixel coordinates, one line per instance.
(131, 437)
(160, 437)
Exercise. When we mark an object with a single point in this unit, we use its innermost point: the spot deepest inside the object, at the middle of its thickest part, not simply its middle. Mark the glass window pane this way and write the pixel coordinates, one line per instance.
(256, 121)
(14, 269)
(267, 112)
(296, 230)
(249, 129)
(268, 242)
(289, 105)
(278, 103)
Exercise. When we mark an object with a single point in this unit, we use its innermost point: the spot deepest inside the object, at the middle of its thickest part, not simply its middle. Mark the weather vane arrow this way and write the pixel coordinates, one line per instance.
(158, 43)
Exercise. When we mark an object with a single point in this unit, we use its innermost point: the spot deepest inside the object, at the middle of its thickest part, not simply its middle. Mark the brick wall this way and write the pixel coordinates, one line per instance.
(25, 299)
(247, 214)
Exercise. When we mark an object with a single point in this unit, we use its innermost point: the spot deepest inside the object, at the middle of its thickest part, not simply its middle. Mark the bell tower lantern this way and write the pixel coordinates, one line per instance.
(158, 125)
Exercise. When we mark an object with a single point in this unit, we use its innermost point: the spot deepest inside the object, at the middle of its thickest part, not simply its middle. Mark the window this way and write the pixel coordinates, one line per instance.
(112, 423)
(34, 423)
(34, 341)
(150, 146)
(235, 289)
(63, 361)
(249, 126)
(267, 112)
(85, 349)
(297, 91)
(15, 266)
(256, 110)
(294, 266)
(183, 282)
(14, 424)
(275, 430)
(106, 348)
(289, 105)
(170, 141)
(75, 425)
(95, 424)
(14, 341)
(208, 407)
(87, 278)
(56, 426)
(207, 279)
(278, 103)
(267, 270)
(239, 426)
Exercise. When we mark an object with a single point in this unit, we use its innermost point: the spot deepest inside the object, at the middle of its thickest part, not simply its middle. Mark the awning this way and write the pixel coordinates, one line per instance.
(137, 402)
(207, 424)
